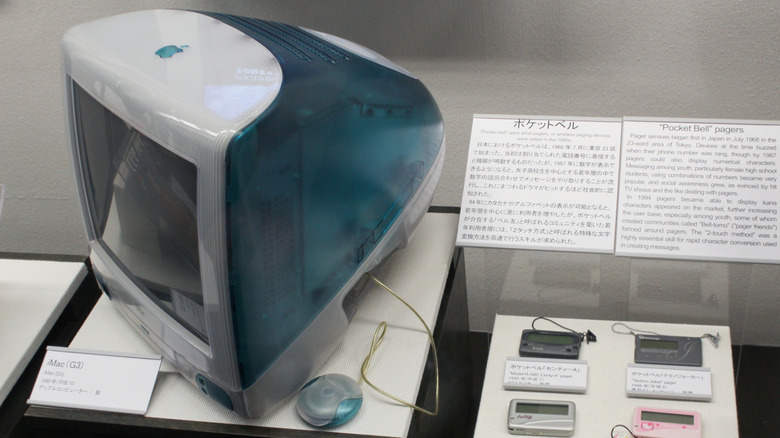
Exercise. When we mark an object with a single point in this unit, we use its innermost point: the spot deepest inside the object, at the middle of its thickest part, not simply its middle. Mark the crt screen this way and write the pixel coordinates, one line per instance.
(142, 202)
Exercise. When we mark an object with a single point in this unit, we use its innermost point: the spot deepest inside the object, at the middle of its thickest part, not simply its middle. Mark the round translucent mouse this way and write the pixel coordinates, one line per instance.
(329, 400)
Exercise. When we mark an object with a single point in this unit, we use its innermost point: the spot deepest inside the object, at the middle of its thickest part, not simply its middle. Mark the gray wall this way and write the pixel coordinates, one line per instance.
(698, 59)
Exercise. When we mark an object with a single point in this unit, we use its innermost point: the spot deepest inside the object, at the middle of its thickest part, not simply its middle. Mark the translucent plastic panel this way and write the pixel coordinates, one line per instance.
(316, 182)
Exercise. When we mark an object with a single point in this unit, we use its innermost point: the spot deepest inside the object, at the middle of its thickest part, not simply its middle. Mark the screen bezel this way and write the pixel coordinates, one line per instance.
(153, 319)
(114, 60)
(95, 221)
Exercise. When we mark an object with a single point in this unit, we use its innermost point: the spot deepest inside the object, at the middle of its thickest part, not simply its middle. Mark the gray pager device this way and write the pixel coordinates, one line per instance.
(668, 350)
(541, 417)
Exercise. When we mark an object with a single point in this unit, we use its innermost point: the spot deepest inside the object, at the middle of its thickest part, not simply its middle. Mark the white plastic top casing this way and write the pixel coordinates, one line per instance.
(194, 102)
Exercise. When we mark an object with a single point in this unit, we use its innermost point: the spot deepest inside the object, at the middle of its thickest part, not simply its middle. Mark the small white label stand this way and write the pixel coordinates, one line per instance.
(550, 375)
(668, 382)
(81, 379)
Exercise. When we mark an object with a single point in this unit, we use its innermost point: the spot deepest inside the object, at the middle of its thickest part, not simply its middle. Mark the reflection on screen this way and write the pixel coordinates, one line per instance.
(143, 206)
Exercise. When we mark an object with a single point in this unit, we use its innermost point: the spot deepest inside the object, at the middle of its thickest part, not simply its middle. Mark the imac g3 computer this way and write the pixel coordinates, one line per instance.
(237, 178)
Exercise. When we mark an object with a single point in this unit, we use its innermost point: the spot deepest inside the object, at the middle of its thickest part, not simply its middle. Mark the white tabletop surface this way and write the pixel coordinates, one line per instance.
(32, 296)
(418, 273)
(605, 403)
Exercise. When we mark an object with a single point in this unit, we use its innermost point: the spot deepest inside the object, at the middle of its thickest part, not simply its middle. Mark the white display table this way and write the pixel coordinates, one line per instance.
(605, 403)
(418, 273)
(33, 293)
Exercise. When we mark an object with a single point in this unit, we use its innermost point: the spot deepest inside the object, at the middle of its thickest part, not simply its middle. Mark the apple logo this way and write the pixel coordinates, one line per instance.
(168, 51)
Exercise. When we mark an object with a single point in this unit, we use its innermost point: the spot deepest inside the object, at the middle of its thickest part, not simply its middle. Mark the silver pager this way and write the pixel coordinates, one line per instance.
(541, 417)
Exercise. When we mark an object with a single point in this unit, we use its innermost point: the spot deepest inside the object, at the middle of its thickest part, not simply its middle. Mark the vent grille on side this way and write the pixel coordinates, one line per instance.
(301, 44)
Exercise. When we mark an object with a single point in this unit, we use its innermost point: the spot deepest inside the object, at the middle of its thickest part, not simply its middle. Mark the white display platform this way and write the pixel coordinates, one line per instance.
(32, 296)
(417, 273)
(605, 403)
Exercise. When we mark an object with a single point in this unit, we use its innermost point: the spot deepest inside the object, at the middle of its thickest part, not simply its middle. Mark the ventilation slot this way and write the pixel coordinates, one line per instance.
(302, 45)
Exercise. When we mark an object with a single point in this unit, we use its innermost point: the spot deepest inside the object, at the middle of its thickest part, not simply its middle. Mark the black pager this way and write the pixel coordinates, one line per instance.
(551, 344)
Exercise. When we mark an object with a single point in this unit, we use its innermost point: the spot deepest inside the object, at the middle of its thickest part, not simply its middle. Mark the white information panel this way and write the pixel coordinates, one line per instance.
(541, 183)
(95, 380)
(669, 382)
(701, 190)
(541, 374)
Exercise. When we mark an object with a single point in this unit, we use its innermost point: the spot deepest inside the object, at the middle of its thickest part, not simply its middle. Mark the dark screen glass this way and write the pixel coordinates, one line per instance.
(663, 417)
(658, 344)
(544, 338)
(533, 408)
(142, 201)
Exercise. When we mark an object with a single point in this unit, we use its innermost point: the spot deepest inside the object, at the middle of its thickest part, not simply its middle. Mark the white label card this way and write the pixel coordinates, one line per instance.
(541, 183)
(699, 190)
(684, 188)
(539, 374)
(669, 382)
(112, 382)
